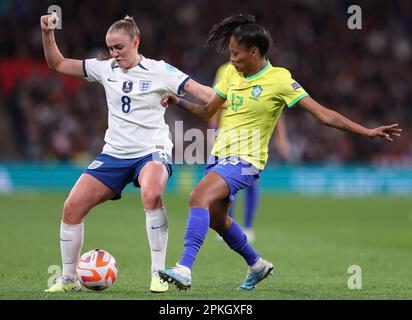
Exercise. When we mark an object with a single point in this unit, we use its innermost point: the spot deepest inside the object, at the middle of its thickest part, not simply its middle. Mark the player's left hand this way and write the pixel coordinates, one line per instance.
(169, 98)
(385, 132)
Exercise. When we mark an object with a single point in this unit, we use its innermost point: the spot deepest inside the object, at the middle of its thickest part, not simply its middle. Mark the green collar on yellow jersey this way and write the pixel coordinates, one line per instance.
(253, 76)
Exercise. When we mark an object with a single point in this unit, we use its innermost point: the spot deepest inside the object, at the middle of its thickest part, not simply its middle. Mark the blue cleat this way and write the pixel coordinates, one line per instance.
(180, 276)
(259, 271)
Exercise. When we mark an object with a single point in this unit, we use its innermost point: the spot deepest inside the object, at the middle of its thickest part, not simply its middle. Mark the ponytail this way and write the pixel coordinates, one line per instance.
(244, 29)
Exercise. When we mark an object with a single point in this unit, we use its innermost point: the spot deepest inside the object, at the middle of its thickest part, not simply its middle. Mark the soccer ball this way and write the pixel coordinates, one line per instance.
(97, 270)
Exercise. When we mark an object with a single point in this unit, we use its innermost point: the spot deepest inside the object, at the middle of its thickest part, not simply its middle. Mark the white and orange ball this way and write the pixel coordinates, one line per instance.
(97, 270)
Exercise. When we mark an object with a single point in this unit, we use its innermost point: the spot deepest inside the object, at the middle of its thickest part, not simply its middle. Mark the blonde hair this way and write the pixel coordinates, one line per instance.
(128, 25)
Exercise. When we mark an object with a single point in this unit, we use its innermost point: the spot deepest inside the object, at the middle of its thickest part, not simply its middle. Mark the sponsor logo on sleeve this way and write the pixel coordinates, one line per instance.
(296, 85)
(170, 68)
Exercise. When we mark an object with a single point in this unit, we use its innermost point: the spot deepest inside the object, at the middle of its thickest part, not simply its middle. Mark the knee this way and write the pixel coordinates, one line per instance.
(198, 200)
(72, 212)
(151, 198)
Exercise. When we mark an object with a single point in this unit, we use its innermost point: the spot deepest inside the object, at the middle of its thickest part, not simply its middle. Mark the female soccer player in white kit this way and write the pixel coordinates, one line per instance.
(137, 145)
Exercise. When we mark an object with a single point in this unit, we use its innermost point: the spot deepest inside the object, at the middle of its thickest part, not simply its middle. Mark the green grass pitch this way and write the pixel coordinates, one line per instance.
(311, 240)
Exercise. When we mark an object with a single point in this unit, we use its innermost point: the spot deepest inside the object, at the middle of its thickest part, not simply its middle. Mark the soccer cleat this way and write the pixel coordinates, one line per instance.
(179, 276)
(157, 285)
(259, 271)
(65, 284)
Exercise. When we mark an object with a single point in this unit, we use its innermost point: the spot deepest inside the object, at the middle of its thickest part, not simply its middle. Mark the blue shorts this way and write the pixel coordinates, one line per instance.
(237, 173)
(116, 173)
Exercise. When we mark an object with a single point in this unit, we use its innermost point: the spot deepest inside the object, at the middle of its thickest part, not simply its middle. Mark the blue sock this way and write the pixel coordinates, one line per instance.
(196, 230)
(237, 241)
(251, 201)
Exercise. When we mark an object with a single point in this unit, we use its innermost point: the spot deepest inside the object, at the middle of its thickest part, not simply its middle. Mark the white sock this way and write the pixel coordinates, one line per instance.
(157, 234)
(71, 241)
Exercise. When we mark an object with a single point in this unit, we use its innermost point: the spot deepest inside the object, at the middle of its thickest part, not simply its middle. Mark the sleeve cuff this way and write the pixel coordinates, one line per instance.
(293, 102)
(181, 86)
(220, 93)
(84, 69)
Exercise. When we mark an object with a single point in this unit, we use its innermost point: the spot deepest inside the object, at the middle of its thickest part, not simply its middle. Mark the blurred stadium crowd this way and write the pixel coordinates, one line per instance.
(364, 74)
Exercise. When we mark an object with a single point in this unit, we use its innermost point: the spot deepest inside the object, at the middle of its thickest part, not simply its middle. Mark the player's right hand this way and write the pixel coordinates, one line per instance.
(169, 98)
(49, 22)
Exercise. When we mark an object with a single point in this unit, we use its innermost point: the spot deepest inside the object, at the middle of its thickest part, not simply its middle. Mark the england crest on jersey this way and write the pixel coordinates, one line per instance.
(145, 85)
(127, 86)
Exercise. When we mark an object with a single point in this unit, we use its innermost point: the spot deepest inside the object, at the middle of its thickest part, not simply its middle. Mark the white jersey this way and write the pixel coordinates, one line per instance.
(136, 125)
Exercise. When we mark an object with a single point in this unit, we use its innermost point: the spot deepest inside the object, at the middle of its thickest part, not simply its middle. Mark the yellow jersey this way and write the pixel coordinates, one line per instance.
(220, 72)
(254, 106)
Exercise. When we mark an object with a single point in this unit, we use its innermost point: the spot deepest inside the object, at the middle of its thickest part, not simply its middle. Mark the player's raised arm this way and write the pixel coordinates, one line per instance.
(334, 119)
(54, 58)
(205, 111)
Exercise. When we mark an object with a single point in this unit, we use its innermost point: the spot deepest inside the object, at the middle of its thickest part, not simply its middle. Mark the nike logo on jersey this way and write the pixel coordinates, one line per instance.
(111, 80)
(153, 227)
(64, 240)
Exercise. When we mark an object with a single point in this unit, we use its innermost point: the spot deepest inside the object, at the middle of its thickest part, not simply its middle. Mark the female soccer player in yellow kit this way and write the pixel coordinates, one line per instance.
(256, 93)
(252, 193)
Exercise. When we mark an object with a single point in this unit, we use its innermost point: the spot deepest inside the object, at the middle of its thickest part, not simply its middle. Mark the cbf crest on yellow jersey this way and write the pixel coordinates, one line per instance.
(254, 106)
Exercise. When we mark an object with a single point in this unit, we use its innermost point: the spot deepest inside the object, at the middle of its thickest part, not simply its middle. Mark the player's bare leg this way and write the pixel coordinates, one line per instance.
(219, 218)
(209, 206)
(86, 194)
(152, 180)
